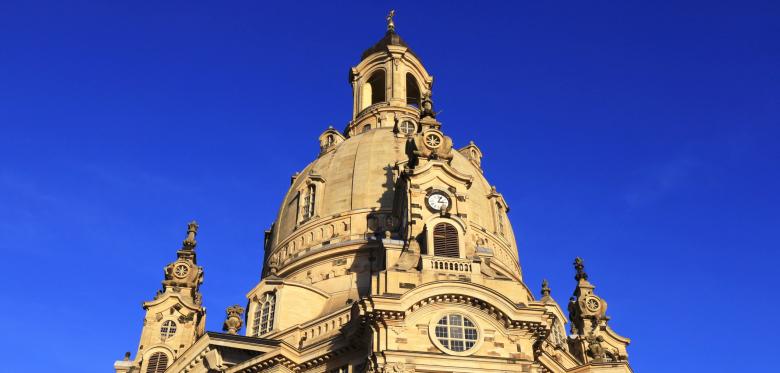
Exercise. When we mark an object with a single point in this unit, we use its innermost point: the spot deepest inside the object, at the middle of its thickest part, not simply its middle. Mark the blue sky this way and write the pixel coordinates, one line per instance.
(642, 136)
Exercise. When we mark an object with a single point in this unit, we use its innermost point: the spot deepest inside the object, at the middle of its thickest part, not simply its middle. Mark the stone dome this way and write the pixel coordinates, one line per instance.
(351, 192)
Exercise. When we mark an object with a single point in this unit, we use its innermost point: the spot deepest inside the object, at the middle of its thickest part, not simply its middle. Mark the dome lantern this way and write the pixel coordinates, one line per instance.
(388, 84)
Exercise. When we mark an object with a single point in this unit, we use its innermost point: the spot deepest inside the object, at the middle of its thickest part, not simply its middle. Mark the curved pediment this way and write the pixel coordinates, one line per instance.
(428, 171)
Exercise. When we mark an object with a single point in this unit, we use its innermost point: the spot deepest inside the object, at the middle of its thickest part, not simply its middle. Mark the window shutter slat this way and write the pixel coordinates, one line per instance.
(157, 363)
(445, 241)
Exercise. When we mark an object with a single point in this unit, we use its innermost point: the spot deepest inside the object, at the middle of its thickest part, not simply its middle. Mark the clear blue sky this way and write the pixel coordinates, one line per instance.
(641, 136)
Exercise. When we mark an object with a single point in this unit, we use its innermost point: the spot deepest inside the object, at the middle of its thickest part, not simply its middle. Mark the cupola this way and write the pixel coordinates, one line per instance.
(388, 85)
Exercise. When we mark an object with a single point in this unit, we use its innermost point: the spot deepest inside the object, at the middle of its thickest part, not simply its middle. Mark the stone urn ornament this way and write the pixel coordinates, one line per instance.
(233, 320)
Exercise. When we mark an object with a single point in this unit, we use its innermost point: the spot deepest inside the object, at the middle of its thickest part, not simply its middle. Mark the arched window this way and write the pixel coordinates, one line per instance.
(167, 330)
(412, 91)
(445, 241)
(373, 90)
(308, 201)
(365, 128)
(377, 83)
(263, 321)
(329, 140)
(157, 363)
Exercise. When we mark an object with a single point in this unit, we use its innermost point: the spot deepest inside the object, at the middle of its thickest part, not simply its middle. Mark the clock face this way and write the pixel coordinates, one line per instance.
(438, 201)
(592, 304)
(181, 270)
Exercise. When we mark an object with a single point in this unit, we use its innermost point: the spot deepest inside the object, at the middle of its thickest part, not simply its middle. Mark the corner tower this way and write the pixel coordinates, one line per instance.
(175, 318)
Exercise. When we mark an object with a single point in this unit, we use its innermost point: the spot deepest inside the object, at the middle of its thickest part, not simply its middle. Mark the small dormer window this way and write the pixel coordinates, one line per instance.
(365, 128)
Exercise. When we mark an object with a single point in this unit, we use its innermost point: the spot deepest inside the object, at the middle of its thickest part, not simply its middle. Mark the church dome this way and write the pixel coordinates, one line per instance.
(390, 252)
(349, 193)
(387, 194)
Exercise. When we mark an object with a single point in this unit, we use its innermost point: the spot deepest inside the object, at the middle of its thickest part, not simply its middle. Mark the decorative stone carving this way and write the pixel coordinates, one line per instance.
(426, 107)
(595, 349)
(397, 368)
(545, 290)
(184, 273)
(557, 336)
(233, 320)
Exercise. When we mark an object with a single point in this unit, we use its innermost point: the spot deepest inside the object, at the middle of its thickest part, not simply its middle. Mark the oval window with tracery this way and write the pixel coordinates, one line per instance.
(456, 332)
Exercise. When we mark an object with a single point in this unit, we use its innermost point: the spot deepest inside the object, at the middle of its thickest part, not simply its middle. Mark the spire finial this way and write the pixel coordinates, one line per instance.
(579, 265)
(192, 230)
(390, 23)
(545, 288)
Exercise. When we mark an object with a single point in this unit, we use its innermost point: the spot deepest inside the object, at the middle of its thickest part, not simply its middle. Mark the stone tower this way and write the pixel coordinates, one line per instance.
(175, 318)
(391, 252)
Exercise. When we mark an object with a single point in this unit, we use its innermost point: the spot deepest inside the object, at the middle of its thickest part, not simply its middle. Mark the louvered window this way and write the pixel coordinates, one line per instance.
(157, 363)
(445, 241)
(263, 321)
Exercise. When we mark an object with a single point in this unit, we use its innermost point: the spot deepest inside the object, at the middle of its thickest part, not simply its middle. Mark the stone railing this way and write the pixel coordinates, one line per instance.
(440, 264)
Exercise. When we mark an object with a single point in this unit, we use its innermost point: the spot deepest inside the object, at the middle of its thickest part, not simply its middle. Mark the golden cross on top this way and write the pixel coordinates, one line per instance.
(390, 23)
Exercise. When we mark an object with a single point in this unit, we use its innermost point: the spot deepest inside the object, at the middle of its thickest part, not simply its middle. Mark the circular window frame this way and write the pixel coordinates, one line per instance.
(446, 312)
(437, 134)
(164, 337)
(414, 127)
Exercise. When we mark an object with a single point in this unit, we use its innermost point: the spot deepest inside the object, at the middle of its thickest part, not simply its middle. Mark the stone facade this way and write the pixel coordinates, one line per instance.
(391, 252)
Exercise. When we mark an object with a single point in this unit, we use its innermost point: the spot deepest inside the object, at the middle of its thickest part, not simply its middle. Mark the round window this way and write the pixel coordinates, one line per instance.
(407, 127)
(456, 332)
(167, 330)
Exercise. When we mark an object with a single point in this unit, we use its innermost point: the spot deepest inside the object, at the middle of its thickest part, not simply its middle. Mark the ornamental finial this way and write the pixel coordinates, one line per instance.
(545, 289)
(233, 321)
(390, 23)
(579, 265)
(192, 230)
